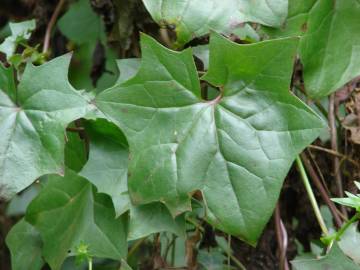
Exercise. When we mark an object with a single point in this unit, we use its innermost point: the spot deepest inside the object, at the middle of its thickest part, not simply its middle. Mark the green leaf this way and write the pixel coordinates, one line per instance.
(202, 52)
(81, 24)
(32, 124)
(212, 260)
(334, 260)
(18, 204)
(329, 39)
(25, 246)
(124, 266)
(329, 50)
(350, 243)
(107, 170)
(67, 213)
(19, 32)
(108, 161)
(191, 18)
(238, 146)
(296, 21)
(7, 81)
(75, 151)
(128, 68)
(153, 218)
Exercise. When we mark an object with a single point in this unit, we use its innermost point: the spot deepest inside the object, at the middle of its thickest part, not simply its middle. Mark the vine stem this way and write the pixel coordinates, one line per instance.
(51, 25)
(346, 225)
(311, 195)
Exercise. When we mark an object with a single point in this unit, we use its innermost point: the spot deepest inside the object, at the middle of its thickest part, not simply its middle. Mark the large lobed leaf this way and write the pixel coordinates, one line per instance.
(192, 18)
(235, 148)
(32, 122)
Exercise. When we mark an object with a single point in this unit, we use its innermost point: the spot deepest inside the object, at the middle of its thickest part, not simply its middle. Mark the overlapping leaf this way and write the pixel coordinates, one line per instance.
(239, 146)
(67, 213)
(330, 46)
(107, 169)
(32, 123)
(192, 18)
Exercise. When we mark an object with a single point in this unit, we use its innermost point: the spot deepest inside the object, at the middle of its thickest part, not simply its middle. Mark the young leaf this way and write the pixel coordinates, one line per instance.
(32, 123)
(334, 260)
(19, 32)
(191, 18)
(67, 213)
(25, 246)
(233, 148)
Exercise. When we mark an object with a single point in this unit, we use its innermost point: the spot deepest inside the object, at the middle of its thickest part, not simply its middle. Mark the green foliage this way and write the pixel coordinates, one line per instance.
(199, 144)
(33, 118)
(352, 200)
(328, 49)
(25, 246)
(67, 211)
(81, 24)
(149, 151)
(191, 18)
(350, 242)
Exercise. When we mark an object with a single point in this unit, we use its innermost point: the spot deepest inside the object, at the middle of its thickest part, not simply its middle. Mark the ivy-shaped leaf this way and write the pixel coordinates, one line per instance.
(25, 246)
(232, 148)
(67, 213)
(334, 260)
(19, 32)
(32, 123)
(194, 18)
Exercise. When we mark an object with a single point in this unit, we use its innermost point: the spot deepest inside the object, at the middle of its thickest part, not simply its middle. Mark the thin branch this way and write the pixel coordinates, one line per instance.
(334, 147)
(324, 195)
(51, 25)
(335, 153)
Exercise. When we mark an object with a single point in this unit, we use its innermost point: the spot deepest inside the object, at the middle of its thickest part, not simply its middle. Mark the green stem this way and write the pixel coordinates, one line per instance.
(90, 263)
(341, 231)
(311, 195)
